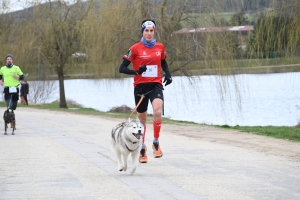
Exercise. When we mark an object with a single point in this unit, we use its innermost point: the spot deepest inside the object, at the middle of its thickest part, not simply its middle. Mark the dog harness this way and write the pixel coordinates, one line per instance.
(130, 149)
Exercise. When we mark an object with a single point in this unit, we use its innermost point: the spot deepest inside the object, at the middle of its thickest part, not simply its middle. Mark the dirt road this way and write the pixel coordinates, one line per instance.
(56, 155)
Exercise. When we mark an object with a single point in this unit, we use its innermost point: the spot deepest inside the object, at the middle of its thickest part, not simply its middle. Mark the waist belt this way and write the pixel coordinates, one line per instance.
(11, 86)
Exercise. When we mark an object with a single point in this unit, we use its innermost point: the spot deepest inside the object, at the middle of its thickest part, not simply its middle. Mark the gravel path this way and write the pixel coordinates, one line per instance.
(56, 155)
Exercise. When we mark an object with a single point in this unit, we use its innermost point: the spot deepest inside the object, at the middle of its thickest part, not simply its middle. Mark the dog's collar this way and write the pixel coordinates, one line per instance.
(130, 149)
(130, 141)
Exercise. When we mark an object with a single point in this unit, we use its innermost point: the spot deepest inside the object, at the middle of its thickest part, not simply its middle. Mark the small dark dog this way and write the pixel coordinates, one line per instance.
(8, 118)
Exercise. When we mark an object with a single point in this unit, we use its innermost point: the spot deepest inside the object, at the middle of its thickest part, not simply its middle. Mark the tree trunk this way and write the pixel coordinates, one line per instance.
(62, 96)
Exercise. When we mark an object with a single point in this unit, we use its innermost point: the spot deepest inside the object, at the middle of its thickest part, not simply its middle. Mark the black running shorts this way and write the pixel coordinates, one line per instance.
(151, 91)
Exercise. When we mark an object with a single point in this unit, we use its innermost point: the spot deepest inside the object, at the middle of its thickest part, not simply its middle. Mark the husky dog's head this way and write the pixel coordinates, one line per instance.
(134, 130)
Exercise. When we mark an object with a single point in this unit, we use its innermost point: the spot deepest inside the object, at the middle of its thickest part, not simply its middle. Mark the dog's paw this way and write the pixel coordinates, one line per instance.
(132, 170)
(125, 168)
(121, 168)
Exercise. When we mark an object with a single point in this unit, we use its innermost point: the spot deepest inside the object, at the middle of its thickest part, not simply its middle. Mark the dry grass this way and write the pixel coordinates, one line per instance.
(123, 109)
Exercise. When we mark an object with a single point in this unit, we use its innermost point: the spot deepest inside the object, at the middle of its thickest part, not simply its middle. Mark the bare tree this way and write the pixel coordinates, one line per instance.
(104, 30)
(41, 90)
(118, 26)
(56, 34)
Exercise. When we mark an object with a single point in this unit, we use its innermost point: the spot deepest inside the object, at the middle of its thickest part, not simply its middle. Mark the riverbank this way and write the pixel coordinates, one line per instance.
(194, 71)
(201, 72)
(280, 132)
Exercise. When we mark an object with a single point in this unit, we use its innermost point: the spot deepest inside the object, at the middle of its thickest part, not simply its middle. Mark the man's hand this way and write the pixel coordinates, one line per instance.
(168, 79)
(16, 76)
(142, 69)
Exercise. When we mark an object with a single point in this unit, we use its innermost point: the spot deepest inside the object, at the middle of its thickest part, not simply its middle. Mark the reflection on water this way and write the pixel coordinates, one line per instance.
(245, 100)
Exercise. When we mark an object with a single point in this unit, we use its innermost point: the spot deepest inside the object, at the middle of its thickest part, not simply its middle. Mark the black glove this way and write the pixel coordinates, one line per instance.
(168, 79)
(142, 69)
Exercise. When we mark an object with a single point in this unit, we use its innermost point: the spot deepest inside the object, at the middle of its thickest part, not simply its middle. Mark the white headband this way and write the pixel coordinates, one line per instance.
(147, 24)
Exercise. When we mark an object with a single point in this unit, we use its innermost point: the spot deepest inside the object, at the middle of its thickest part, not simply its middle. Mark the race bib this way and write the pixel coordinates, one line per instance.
(12, 89)
(151, 71)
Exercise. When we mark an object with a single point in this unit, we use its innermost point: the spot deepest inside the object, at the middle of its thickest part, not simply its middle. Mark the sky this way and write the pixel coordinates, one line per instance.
(14, 5)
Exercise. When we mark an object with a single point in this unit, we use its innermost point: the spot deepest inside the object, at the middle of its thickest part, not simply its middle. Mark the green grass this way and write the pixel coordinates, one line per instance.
(78, 109)
(281, 132)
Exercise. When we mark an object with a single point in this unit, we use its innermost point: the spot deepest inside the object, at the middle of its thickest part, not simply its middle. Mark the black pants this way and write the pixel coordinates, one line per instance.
(25, 98)
(14, 97)
(13, 104)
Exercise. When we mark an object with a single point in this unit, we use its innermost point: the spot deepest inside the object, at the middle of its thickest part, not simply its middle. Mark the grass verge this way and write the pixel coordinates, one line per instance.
(78, 109)
(281, 132)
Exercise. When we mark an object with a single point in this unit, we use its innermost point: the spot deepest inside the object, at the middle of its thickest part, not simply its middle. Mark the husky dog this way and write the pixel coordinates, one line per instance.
(127, 139)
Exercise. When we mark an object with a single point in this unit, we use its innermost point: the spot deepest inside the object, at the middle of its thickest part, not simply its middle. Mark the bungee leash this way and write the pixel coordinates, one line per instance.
(140, 101)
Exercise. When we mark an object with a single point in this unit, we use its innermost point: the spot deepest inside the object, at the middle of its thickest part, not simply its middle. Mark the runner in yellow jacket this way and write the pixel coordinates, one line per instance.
(10, 76)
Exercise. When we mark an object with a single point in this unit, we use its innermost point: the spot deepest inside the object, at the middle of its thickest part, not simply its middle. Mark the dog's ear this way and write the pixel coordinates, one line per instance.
(137, 120)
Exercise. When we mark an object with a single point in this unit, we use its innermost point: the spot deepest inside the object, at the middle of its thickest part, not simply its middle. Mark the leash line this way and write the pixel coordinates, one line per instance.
(140, 101)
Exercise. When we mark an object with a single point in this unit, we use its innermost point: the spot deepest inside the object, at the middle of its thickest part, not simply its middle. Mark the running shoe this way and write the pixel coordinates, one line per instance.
(157, 153)
(143, 157)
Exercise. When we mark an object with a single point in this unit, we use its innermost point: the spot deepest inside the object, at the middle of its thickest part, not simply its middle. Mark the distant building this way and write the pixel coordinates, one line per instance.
(78, 54)
(241, 31)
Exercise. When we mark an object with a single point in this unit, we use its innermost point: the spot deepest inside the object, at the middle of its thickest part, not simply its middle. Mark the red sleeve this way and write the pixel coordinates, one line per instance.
(164, 54)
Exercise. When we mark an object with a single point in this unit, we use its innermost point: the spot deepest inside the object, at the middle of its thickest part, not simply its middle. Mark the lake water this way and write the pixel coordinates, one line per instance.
(245, 100)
